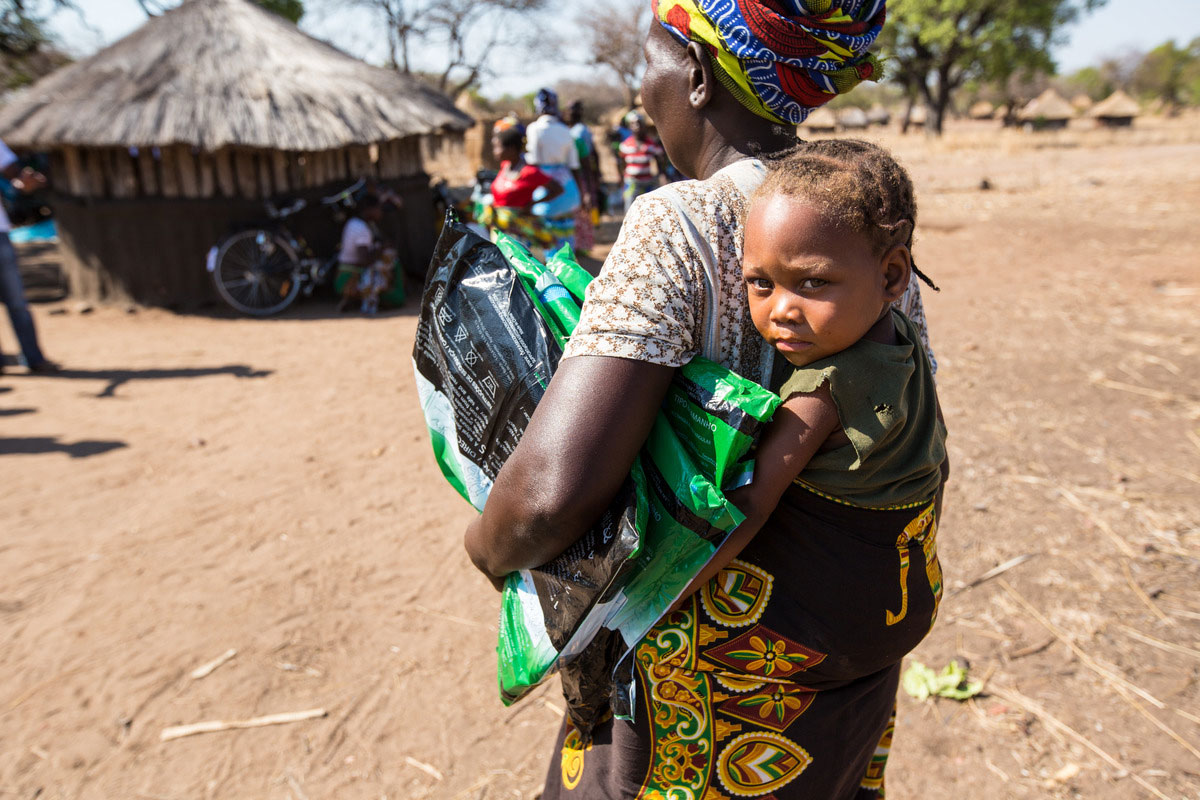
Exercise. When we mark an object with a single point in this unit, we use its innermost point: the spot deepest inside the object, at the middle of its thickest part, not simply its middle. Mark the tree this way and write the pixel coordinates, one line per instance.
(465, 33)
(614, 32)
(937, 45)
(1164, 72)
(26, 47)
(291, 10)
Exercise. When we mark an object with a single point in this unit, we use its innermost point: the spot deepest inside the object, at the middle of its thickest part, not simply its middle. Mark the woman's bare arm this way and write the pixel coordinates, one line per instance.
(795, 434)
(570, 463)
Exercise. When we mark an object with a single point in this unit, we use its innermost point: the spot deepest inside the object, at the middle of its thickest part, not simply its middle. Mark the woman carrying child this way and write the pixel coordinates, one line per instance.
(778, 677)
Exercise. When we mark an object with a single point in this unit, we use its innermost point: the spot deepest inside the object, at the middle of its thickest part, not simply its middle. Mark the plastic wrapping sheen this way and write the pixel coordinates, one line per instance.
(583, 612)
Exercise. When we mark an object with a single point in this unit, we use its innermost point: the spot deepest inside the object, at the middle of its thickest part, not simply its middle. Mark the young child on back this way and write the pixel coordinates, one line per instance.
(827, 253)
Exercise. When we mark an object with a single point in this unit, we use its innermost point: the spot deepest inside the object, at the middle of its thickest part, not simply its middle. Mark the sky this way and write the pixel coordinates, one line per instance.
(1116, 28)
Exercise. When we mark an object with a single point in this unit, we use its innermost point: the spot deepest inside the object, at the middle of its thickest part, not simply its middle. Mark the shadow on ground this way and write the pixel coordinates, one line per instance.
(119, 377)
(36, 445)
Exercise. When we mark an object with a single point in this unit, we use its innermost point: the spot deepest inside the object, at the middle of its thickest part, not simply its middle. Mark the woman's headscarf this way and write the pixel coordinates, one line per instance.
(507, 122)
(546, 102)
(782, 58)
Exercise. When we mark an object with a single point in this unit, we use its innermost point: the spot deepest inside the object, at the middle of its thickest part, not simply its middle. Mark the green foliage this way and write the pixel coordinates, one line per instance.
(1091, 81)
(938, 45)
(1169, 73)
(27, 49)
(291, 10)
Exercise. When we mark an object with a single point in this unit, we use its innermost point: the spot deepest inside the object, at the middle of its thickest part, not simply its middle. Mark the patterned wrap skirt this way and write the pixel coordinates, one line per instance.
(778, 679)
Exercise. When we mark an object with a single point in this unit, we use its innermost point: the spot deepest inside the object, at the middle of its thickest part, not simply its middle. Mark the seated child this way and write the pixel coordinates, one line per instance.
(827, 253)
(365, 268)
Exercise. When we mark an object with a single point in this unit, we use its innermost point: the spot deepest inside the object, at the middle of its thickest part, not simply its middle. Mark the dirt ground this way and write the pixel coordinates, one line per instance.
(194, 484)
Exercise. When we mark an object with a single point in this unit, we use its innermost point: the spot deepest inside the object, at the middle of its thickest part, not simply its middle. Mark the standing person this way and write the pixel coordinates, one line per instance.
(12, 292)
(643, 158)
(589, 177)
(726, 91)
(510, 207)
(551, 147)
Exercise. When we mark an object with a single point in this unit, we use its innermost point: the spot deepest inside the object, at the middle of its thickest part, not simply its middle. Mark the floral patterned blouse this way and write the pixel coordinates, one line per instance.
(651, 301)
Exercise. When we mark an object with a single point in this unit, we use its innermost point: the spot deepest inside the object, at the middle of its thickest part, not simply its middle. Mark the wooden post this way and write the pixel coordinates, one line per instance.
(387, 160)
(76, 179)
(279, 169)
(337, 165)
(119, 172)
(225, 178)
(148, 172)
(170, 172)
(247, 173)
(189, 185)
(359, 158)
(263, 160)
(206, 167)
(93, 162)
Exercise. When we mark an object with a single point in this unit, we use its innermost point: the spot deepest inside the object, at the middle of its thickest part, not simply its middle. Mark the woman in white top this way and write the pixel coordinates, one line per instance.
(551, 147)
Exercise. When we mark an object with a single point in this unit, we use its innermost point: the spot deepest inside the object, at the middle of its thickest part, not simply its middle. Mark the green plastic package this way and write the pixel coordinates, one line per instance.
(583, 613)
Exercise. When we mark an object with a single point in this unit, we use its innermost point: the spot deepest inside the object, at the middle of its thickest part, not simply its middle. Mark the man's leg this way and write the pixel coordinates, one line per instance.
(12, 294)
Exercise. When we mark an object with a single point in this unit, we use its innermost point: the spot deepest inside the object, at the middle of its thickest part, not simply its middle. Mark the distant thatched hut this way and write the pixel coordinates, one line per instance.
(1116, 111)
(164, 141)
(1081, 103)
(1046, 112)
(982, 110)
(821, 120)
(852, 119)
(878, 115)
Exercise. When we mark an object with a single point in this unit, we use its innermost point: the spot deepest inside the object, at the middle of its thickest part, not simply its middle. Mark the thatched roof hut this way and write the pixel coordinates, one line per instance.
(917, 115)
(163, 141)
(821, 120)
(981, 110)
(852, 119)
(878, 115)
(1117, 110)
(1081, 103)
(1047, 111)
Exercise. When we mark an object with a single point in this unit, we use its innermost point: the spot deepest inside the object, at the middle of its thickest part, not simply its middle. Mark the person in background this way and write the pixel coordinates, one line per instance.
(642, 155)
(617, 134)
(589, 177)
(364, 268)
(551, 147)
(509, 205)
(12, 292)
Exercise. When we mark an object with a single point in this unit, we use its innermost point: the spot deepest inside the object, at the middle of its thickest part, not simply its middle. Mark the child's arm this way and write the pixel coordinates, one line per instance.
(795, 434)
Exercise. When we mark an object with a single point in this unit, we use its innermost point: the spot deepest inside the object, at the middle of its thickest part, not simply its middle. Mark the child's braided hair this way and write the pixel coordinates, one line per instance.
(856, 184)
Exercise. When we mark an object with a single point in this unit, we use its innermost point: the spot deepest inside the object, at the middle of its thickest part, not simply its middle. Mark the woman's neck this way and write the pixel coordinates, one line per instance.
(721, 151)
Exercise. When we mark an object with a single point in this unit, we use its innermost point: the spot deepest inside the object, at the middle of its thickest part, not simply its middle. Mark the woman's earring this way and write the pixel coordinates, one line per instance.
(695, 97)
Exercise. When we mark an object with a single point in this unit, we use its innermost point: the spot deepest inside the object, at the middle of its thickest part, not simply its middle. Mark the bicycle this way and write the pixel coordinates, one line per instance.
(262, 270)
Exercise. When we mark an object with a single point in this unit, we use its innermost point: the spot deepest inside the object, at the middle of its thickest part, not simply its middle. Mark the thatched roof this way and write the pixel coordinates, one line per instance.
(1117, 105)
(1082, 103)
(878, 115)
(215, 73)
(852, 118)
(1048, 105)
(821, 119)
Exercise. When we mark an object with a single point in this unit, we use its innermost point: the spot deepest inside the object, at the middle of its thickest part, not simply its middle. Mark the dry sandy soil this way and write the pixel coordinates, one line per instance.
(199, 483)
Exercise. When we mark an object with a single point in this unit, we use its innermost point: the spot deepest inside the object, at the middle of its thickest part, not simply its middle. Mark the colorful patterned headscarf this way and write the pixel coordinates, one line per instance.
(782, 58)
(507, 122)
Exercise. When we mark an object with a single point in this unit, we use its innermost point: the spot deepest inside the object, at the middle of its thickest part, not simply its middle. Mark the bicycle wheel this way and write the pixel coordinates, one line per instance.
(256, 272)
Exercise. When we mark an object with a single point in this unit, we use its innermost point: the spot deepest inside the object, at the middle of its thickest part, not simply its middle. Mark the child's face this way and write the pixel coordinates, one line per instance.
(814, 289)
